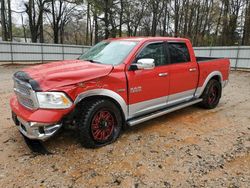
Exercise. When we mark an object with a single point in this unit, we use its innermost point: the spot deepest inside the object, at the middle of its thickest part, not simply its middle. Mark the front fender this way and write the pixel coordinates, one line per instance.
(107, 93)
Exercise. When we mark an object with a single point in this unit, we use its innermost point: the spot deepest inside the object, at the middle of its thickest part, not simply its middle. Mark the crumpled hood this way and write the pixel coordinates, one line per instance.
(62, 73)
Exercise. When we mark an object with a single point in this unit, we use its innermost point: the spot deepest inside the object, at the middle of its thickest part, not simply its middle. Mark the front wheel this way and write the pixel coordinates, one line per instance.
(99, 123)
(211, 95)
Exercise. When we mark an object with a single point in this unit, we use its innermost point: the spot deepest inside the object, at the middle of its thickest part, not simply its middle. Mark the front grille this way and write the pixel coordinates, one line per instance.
(25, 94)
(23, 89)
(25, 101)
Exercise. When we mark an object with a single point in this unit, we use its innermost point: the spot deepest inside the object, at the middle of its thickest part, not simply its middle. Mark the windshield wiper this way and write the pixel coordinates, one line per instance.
(92, 61)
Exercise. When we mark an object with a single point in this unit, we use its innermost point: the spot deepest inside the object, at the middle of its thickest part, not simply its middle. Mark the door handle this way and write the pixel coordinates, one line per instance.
(163, 74)
(192, 69)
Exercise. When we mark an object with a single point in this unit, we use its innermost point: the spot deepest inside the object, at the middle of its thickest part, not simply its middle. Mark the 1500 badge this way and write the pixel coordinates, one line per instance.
(135, 89)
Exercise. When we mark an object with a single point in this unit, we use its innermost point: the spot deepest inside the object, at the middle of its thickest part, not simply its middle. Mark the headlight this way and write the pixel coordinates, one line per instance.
(55, 100)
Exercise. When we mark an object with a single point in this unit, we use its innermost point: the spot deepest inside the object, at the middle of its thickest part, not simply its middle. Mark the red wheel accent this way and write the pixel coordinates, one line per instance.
(102, 125)
(213, 94)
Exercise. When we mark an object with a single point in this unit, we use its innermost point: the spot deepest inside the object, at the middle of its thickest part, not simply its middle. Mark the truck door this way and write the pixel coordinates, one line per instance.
(183, 73)
(148, 89)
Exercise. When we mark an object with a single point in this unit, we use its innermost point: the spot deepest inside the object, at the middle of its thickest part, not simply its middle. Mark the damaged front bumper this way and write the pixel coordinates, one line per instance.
(36, 130)
(39, 124)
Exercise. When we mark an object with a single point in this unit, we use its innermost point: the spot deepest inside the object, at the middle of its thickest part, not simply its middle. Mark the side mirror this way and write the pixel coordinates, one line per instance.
(143, 64)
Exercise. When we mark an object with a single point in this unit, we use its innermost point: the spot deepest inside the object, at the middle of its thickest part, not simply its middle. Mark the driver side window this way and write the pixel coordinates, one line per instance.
(156, 51)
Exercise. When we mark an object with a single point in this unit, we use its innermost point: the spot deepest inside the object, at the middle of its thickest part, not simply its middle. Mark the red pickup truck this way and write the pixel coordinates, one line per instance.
(117, 83)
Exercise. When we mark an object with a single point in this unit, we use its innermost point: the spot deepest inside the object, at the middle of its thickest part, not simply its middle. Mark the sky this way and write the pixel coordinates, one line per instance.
(17, 5)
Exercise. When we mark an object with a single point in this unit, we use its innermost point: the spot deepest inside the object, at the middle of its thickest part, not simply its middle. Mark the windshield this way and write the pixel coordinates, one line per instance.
(109, 52)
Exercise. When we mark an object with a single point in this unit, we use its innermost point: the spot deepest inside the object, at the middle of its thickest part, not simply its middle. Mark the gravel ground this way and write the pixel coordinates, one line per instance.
(192, 147)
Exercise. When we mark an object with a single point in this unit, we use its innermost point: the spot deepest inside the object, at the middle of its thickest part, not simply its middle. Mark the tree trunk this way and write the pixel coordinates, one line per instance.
(128, 22)
(121, 20)
(35, 19)
(3, 21)
(9, 20)
(224, 37)
(209, 7)
(62, 33)
(246, 28)
(91, 25)
(233, 22)
(40, 21)
(218, 22)
(190, 22)
(55, 22)
(41, 32)
(96, 28)
(32, 16)
(106, 19)
(176, 17)
(196, 30)
(154, 19)
(186, 18)
(164, 20)
(87, 27)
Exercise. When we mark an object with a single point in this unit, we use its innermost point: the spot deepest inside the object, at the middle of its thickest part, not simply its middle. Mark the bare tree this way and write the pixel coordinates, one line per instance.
(176, 16)
(59, 14)
(205, 22)
(121, 17)
(88, 23)
(6, 20)
(9, 20)
(35, 11)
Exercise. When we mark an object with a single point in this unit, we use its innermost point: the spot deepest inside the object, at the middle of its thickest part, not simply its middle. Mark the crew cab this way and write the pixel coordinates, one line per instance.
(117, 83)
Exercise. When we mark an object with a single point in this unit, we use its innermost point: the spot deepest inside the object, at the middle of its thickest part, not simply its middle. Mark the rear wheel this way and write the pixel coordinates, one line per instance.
(99, 123)
(211, 95)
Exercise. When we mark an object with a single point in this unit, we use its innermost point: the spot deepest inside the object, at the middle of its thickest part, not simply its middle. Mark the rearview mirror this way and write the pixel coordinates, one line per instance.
(143, 64)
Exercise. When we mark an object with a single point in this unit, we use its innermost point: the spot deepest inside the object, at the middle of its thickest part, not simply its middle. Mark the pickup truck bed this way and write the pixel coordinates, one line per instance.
(202, 59)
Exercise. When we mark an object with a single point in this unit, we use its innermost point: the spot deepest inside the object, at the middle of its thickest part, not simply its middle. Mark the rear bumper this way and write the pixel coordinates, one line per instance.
(38, 124)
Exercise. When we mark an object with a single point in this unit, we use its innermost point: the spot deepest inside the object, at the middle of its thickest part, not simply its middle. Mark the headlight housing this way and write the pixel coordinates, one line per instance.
(53, 100)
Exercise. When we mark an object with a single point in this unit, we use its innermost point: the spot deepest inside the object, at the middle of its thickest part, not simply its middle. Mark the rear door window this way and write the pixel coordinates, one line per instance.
(178, 52)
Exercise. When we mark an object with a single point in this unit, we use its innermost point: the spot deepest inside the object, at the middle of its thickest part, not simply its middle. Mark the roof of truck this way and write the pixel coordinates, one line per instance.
(139, 39)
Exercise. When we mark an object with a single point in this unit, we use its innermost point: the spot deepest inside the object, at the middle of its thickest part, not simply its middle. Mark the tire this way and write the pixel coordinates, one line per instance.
(211, 95)
(99, 123)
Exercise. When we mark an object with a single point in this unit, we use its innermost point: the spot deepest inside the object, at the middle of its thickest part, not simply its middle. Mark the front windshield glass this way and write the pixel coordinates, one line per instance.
(109, 52)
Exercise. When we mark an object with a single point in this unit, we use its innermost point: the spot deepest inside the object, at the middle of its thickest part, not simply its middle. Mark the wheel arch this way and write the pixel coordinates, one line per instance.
(217, 75)
(104, 94)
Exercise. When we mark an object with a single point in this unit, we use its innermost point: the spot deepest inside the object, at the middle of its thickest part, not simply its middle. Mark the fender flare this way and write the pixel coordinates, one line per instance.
(200, 90)
(107, 93)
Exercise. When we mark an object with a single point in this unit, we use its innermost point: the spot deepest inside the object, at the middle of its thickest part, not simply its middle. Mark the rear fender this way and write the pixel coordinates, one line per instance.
(200, 90)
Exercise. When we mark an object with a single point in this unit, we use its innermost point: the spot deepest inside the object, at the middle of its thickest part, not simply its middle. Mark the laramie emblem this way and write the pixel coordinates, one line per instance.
(135, 89)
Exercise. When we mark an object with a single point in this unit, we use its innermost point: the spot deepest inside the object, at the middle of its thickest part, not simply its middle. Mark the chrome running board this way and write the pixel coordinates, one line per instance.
(159, 113)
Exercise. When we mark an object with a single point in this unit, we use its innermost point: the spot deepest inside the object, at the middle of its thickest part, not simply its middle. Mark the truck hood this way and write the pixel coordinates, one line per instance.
(56, 74)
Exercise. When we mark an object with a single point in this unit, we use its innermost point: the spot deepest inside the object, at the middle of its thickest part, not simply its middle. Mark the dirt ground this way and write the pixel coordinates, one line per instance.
(192, 147)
